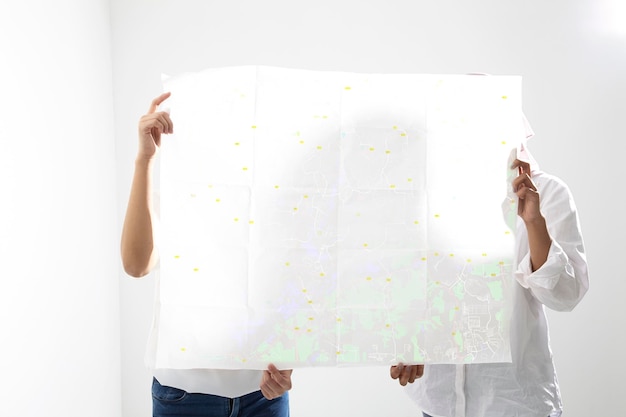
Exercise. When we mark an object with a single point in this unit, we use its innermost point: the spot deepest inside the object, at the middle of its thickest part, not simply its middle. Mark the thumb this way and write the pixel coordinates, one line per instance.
(272, 369)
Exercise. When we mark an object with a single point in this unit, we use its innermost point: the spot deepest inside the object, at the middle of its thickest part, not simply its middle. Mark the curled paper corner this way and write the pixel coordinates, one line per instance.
(513, 156)
(512, 173)
(510, 202)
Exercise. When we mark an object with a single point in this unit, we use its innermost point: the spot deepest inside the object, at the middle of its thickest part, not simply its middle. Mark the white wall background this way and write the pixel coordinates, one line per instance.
(59, 274)
(61, 209)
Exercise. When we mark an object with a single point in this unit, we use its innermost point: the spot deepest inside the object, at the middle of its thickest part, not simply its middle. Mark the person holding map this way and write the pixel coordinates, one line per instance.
(552, 273)
(188, 392)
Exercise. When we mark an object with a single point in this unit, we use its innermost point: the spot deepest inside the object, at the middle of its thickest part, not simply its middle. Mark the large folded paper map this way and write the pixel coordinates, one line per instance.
(315, 218)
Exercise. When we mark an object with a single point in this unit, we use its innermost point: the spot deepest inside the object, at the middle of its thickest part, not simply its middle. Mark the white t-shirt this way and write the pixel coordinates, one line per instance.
(222, 382)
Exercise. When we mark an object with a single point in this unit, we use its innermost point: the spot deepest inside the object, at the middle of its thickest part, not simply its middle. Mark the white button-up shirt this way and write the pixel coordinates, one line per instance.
(528, 386)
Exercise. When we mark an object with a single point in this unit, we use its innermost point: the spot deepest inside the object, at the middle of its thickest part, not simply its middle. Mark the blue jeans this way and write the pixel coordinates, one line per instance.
(174, 402)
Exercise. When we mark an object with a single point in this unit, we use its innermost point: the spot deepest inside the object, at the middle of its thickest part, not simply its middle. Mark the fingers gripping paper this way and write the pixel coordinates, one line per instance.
(331, 219)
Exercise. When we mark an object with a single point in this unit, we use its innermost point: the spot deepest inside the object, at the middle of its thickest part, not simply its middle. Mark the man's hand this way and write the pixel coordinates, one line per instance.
(526, 190)
(406, 374)
(275, 383)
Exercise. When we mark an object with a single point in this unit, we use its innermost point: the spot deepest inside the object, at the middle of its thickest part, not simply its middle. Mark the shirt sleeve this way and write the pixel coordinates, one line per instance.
(562, 281)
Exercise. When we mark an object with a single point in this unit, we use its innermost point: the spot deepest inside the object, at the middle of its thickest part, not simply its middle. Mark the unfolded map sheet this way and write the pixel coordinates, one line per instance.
(314, 218)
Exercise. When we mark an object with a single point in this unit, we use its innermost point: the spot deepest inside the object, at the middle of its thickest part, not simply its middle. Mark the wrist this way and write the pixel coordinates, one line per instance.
(143, 157)
(537, 223)
(144, 162)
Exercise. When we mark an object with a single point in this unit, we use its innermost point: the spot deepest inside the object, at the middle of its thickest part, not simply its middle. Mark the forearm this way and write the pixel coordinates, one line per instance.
(539, 242)
(137, 245)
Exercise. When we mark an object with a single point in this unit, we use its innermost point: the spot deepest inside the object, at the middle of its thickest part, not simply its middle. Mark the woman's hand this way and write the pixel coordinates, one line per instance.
(151, 126)
(274, 382)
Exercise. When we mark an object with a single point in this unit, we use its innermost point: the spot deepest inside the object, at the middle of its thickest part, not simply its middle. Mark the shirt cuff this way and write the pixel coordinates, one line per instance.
(548, 275)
